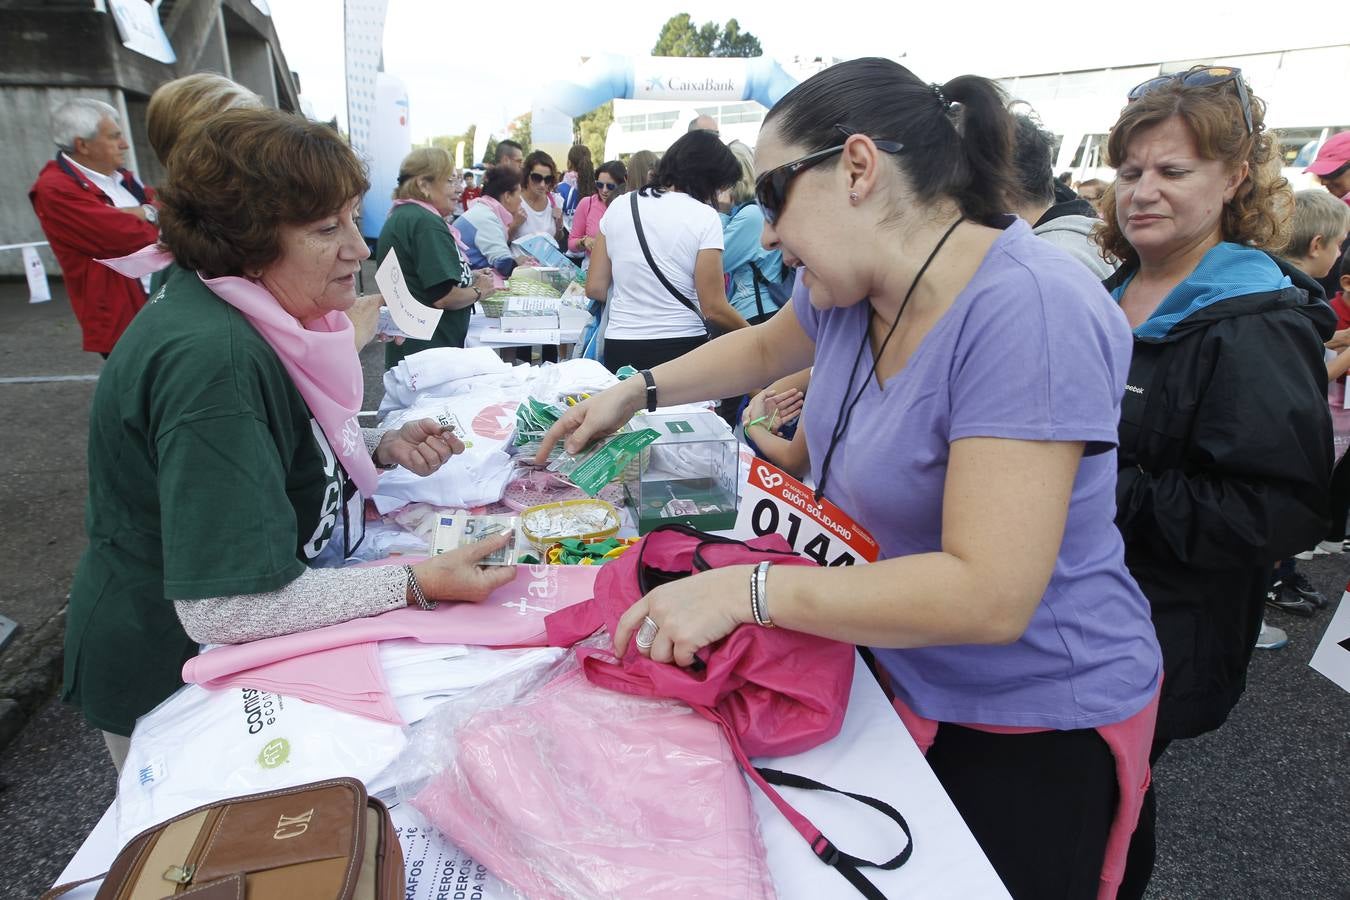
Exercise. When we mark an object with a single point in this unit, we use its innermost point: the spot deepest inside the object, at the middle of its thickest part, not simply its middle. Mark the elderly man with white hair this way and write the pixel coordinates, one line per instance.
(91, 208)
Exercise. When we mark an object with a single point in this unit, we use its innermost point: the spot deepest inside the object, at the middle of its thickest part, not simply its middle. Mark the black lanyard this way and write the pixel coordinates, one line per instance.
(846, 409)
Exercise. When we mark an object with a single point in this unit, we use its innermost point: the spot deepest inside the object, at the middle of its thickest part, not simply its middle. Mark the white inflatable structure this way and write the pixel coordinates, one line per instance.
(609, 77)
(390, 140)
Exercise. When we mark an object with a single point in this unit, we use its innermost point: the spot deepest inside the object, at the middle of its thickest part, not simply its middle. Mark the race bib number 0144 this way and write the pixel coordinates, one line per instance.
(773, 502)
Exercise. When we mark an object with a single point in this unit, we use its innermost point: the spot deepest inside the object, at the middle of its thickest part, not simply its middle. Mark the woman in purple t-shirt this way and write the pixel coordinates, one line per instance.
(963, 408)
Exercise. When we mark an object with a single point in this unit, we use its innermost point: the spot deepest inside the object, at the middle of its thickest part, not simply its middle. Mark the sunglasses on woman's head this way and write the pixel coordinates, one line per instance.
(771, 187)
(542, 179)
(1201, 76)
(606, 186)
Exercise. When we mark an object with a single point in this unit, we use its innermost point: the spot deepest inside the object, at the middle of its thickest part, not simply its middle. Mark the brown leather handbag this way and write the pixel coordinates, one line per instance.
(321, 841)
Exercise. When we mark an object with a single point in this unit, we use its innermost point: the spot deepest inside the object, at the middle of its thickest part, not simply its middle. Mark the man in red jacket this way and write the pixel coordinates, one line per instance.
(91, 208)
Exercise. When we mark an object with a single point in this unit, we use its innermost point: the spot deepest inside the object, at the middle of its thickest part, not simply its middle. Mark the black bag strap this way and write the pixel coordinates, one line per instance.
(756, 278)
(846, 863)
(656, 270)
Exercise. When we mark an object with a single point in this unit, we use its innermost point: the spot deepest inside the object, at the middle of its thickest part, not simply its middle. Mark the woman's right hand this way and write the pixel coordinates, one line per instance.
(788, 405)
(594, 418)
(754, 409)
(456, 575)
(483, 280)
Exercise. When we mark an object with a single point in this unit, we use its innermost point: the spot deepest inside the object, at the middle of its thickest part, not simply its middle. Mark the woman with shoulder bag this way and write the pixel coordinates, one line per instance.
(758, 287)
(661, 249)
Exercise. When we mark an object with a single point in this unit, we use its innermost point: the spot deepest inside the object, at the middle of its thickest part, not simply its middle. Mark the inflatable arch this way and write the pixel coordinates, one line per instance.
(609, 76)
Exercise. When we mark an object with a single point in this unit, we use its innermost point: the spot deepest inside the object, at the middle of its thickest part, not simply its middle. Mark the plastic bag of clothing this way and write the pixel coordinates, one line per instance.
(567, 790)
(774, 691)
(200, 746)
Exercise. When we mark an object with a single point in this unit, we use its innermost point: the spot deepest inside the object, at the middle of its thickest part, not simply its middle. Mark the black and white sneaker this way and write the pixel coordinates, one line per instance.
(1286, 599)
(1304, 589)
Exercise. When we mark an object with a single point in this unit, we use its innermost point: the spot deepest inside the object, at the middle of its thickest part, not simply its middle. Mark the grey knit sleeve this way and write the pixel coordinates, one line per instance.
(372, 437)
(318, 597)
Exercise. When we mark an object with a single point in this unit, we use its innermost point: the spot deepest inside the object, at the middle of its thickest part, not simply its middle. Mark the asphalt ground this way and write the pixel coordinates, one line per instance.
(1259, 808)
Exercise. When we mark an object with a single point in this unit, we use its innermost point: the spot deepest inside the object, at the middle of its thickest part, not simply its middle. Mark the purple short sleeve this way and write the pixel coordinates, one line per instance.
(807, 315)
(1042, 355)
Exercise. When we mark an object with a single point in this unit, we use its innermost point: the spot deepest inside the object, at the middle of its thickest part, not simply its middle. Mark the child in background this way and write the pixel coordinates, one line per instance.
(1320, 225)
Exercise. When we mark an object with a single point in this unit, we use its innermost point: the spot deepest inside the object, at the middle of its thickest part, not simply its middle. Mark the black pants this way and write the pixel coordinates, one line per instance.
(647, 354)
(1144, 842)
(1040, 805)
(1340, 498)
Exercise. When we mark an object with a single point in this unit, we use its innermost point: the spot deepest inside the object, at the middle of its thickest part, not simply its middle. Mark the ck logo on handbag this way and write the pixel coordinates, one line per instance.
(292, 826)
(224, 851)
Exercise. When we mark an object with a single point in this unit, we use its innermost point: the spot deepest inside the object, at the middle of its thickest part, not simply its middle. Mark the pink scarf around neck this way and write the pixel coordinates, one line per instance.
(320, 358)
(496, 206)
(454, 232)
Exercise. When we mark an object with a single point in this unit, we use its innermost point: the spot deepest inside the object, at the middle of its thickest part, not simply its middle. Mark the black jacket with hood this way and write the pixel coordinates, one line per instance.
(1225, 461)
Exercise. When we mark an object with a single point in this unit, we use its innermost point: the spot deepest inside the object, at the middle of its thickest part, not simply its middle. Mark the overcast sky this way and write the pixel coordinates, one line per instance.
(484, 67)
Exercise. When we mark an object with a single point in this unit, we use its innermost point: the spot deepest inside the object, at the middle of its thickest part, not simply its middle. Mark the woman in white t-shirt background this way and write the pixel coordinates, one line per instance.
(649, 325)
(542, 208)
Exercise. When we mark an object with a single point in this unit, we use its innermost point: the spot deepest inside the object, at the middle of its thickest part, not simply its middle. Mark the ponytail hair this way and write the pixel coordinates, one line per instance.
(957, 137)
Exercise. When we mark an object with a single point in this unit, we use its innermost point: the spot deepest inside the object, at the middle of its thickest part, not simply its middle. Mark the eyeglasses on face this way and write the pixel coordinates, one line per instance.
(771, 187)
(1201, 76)
(607, 186)
(542, 179)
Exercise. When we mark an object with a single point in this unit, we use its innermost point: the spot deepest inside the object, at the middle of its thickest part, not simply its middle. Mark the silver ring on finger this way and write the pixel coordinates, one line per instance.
(646, 635)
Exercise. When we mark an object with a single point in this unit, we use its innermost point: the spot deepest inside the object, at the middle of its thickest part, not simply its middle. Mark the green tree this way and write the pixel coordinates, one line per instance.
(448, 142)
(592, 128)
(519, 131)
(681, 37)
(735, 42)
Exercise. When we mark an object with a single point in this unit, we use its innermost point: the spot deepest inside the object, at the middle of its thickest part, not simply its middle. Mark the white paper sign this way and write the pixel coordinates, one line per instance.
(773, 502)
(139, 27)
(434, 868)
(1332, 658)
(39, 291)
(412, 318)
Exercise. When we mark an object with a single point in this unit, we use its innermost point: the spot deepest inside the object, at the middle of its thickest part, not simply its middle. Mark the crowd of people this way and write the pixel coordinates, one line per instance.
(1091, 431)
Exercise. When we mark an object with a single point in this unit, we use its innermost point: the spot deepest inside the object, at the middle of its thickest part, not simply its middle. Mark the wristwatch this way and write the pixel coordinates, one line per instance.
(151, 214)
(651, 389)
(477, 293)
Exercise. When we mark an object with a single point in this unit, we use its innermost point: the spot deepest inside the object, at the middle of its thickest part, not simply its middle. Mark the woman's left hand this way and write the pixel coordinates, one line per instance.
(420, 447)
(690, 614)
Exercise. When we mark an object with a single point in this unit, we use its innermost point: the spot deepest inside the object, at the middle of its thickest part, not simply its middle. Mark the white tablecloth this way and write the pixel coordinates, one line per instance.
(872, 755)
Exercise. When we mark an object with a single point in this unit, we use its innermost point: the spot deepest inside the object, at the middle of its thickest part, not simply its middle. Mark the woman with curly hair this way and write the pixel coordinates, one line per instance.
(1225, 440)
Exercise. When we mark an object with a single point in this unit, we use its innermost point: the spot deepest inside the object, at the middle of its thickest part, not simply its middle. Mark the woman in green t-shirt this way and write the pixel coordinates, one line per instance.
(434, 266)
(226, 468)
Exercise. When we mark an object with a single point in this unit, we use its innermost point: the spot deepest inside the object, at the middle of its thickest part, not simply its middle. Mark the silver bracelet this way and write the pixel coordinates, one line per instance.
(759, 601)
(416, 589)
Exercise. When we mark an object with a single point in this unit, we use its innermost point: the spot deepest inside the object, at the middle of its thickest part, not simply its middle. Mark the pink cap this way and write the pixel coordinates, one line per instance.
(1331, 155)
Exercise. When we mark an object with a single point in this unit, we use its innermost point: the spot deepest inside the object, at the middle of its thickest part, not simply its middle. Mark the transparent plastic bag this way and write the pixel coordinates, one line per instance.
(567, 790)
(200, 745)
